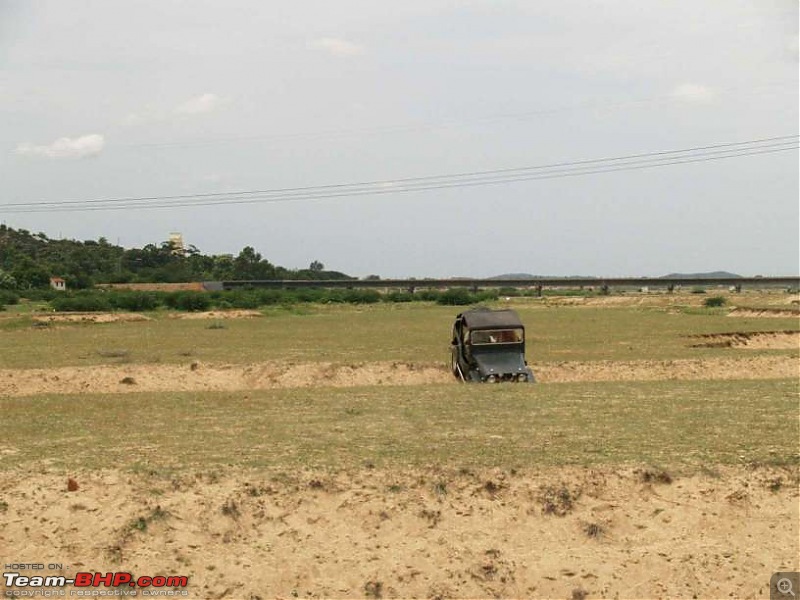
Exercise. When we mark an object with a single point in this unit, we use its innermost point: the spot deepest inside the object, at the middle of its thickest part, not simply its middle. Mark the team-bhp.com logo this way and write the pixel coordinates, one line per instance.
(121, 582)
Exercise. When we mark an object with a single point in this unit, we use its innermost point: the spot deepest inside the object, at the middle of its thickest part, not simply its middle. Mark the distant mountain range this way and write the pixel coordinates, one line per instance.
(711, 275)
(529, 276)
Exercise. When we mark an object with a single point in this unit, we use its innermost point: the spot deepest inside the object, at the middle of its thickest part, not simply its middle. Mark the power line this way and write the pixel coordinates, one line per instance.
(630, 162)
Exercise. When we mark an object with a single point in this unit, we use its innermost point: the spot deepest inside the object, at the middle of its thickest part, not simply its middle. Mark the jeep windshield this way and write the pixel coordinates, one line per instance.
(495, 336)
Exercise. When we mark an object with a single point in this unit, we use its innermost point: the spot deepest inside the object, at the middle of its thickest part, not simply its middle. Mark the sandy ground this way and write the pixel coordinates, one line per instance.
(558, 533)
(155, 287)
(89, 317)
(774, 313)
(120, 317)
(196, 376)
(566, 532)
(217, 314)
(756, 340)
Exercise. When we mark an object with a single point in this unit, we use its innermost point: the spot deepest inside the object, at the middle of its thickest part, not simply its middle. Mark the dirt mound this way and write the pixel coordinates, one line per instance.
(196, 376)
(206, 377)
(217, 314)
(756, 340)
(88, 317)
(416, 532)
(774, 313)
(756, 367)
(155, 287)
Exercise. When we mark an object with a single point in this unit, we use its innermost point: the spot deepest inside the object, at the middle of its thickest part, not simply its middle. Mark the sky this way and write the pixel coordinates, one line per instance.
(108, 100)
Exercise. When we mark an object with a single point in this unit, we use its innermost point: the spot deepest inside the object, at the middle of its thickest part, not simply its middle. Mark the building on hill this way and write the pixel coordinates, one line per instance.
(58, 284)
(176, 243)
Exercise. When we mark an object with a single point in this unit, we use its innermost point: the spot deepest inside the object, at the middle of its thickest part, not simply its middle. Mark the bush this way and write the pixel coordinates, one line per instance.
(306, 295)
(510, 292)
(485, 296)
(455, 297)
(268, 297)
(43, 294)
(8, 298)
(399, 297)
(428, 296)
(134, 301)
(714, 302)
(190, 301)
(362, 296)
(244, 299)
(88, 302)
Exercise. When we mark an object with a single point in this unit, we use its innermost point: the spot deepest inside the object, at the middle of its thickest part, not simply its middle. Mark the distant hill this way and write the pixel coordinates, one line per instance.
(28, 260)
(529, 276)
(711, 275)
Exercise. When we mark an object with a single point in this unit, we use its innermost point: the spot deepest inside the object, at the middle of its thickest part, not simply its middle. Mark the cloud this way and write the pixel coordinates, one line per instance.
(80, 147)
(337, 46)
(692, 92)
(204, 103)
(197, 105)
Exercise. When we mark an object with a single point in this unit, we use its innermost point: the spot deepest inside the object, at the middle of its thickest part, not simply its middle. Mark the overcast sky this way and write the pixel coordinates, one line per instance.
(109, 99)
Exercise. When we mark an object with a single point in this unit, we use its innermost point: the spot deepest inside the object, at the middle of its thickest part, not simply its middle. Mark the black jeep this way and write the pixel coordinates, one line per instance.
(489, 345)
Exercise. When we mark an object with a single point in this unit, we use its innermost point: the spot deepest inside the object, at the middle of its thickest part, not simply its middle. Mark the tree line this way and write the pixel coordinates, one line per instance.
(28, 261)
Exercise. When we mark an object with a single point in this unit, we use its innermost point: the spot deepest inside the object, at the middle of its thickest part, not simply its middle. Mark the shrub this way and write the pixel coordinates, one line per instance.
(305, 295)
(362, 296)
(509, 292)
(428, 296)
(455, 297)
(485, 296)
(714, 302)
(85, 302)
(399, 297)
(43, 294)
(8, 297)
(190, 301)
(134, 301)
(267, 297)
(244, 299)
(333, 297)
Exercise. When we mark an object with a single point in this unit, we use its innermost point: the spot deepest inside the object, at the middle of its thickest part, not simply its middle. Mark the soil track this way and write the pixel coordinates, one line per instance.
(195, 376)
(547, 533)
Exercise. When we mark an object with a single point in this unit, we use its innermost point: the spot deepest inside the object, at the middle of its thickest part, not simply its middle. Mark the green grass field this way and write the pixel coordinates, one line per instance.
(667, 423)
(399, 332)
(691, 424)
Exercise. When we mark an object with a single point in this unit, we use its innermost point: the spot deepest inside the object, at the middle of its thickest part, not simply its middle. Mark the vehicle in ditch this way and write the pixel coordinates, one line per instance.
(489, 346)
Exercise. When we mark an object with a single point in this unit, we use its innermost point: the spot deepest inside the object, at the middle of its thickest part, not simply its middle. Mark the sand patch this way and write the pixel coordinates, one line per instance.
(754, 340)
(760, 313)
(545, 533)
(155, 287)
(217, 314)
(203, 377)
(757, 367)
(88, 317)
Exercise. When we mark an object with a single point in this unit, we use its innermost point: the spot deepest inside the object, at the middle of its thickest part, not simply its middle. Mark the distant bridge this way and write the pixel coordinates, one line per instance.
(670, 283)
